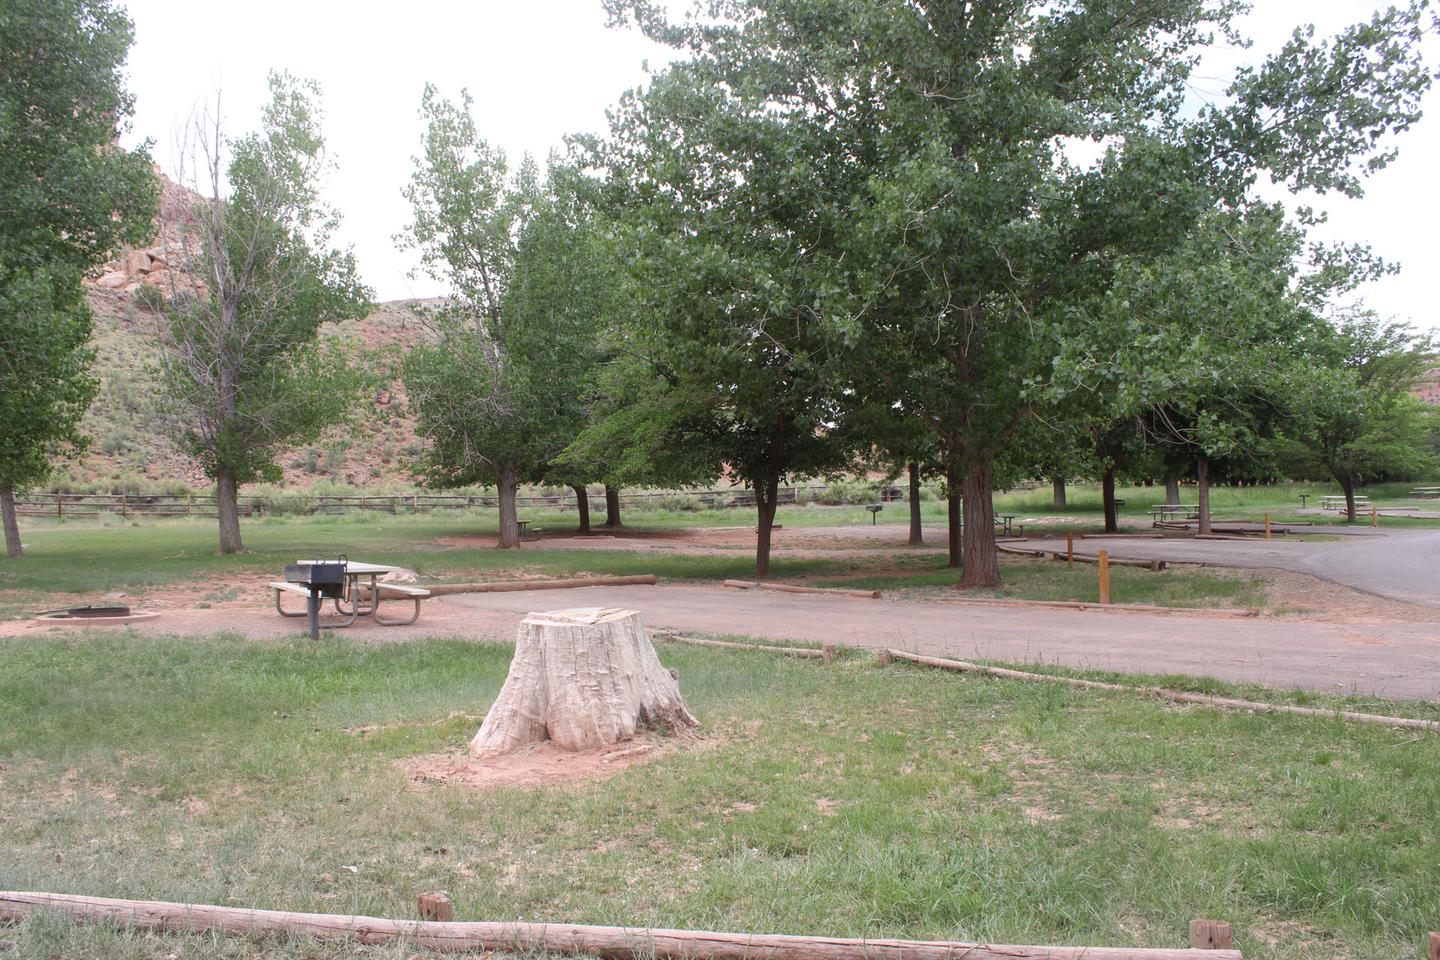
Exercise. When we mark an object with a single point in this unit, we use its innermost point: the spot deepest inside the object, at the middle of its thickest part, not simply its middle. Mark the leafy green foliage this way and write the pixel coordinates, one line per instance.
(244, 372)
(1351, 414)
(68, 198)
(499, 387)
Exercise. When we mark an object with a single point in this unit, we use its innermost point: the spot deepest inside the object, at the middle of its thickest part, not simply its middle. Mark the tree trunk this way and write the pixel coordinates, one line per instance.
(582, 506)
(917, 536)
(1057, 485)
(982, 560)
(584, 679)
(612, 507)
(13, 547)
(1172, 488)
(228, 503)
(952, 509)
(1347, 487)
(509, 518)
(766, 495)
(1202, 498)
(1107, 495)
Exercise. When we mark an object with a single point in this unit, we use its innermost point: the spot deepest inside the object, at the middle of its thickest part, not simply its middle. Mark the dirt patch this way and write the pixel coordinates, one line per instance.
(542, 765)
(1318, 599)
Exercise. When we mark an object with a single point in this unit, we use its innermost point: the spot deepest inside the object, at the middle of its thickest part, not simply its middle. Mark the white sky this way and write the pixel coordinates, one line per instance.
(544, 68)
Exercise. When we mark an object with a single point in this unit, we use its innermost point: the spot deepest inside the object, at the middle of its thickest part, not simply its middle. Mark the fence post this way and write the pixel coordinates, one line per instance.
(1374, 516)
(1211, 935)
(1267, 526)
(59, 505)
(1069, 549)
(1104, 559)
(1432, 950)
(122, 505)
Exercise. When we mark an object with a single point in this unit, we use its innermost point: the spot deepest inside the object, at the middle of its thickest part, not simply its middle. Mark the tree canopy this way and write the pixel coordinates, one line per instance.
(244, 369)
(69, 197)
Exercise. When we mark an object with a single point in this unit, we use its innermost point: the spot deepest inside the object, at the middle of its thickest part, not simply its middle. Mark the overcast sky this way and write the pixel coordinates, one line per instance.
(544, 68)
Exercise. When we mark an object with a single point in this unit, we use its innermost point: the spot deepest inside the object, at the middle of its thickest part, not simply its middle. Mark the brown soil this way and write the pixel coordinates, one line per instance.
(1317, 599)
(542, 765)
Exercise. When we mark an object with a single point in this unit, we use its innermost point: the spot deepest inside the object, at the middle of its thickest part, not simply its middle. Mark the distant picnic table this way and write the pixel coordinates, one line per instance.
(1165, 512)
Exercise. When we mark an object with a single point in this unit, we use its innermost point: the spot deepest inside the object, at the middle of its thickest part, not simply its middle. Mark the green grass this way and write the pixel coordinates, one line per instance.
(1044, 580)
(848, 800)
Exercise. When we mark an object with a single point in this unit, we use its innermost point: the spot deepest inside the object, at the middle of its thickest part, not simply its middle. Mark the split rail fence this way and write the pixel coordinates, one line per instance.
(90, 505)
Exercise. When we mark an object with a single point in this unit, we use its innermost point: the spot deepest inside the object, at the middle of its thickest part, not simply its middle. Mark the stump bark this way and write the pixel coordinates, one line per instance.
(582, 678)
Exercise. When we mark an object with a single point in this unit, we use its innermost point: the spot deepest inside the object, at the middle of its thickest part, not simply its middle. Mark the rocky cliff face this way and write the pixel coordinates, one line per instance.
(162, 264)
(128, 450)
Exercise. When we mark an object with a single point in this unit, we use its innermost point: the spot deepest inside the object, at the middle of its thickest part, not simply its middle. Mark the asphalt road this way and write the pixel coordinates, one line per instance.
(1398, 564)
(1400, 660)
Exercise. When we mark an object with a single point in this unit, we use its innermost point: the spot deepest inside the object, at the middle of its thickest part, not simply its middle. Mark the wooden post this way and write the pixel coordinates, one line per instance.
(827, 652)
(1432, 951)
(1374, 516)
(1104, 559)
(1211, 935)
(435, 906)
(1069, 549)
(59, 506)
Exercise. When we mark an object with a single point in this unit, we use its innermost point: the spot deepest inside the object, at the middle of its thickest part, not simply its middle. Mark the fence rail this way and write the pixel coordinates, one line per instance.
(90, 505)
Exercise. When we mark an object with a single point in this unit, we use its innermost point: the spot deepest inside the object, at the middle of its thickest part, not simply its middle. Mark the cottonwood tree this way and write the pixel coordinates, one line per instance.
(245, 371)
(69, 197)
(1349, 411)
(498, 386)
(931, 149)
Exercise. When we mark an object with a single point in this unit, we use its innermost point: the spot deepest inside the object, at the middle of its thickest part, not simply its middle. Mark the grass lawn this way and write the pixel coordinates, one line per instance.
(847, 800)
(1181, 586)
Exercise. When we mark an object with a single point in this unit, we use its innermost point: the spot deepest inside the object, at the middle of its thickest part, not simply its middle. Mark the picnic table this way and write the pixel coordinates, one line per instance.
(1338, 502)
(1425, 493)
(1165, 512)
(526, 533)
(1006, 522)
(352, 602)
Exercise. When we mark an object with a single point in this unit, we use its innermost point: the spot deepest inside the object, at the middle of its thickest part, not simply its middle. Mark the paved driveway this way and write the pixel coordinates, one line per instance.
(1390, 659)
(1400, 564)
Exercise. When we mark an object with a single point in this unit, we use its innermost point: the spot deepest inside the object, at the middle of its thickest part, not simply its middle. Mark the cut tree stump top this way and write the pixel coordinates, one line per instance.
(585, 616)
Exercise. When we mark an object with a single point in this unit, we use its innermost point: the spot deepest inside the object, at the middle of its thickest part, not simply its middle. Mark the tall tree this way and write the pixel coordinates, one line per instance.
(244, 369)
(499, 387)
(1349, 409)
(930, 148)
(68, 198)
(733, 254)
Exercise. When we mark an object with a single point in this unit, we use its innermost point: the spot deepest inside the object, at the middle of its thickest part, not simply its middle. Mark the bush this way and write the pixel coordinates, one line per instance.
(150, 297)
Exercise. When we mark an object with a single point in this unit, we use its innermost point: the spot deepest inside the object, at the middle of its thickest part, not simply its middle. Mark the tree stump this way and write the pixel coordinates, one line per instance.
(582, 678)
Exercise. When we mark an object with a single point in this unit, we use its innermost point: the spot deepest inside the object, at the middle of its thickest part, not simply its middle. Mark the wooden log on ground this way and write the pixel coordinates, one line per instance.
(787, 588)
(506, 586)
(1112, 608)
(1155, 565)
(1202, 699)
(727, 645)
(615, 943)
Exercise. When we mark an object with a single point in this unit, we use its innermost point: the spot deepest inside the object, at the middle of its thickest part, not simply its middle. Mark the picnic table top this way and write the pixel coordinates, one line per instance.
(356, 567)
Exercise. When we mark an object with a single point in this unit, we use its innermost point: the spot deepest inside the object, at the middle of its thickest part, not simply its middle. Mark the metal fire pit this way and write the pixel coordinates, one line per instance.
(85, 613)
